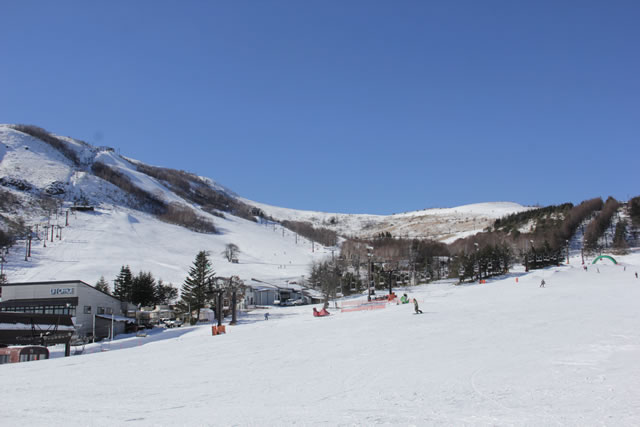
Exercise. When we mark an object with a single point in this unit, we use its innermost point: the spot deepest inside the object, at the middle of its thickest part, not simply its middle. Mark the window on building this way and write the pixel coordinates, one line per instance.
(109, 310)
(100, 310)
(4, 358)
(87, 309)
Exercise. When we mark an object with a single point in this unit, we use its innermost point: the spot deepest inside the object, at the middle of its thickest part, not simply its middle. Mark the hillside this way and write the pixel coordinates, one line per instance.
(149, 217)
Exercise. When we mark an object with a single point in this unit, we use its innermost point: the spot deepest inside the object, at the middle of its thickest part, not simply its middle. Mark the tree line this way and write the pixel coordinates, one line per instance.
(141, 289)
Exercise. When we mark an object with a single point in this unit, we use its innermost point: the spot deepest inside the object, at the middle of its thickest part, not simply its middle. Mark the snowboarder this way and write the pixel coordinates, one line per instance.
(266, 316)
(636, 274)
(415, 304)
(320, 313)
(542, 283)
(404, 299)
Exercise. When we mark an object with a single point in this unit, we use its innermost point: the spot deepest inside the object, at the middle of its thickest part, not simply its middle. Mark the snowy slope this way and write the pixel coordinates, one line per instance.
(446, 224)
(99, 243)
(145, 244)
(500, 354)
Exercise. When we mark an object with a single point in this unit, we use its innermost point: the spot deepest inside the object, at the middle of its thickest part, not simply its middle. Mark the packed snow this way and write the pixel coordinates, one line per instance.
(507, 352)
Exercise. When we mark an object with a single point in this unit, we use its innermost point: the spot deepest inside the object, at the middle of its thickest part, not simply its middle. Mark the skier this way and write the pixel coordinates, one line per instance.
(266, 316)
(404, 299)
(415, 304)
(636, 274)
(542, 283)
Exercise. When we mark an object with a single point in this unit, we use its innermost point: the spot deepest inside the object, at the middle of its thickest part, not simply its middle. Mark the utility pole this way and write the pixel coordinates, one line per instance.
(219, 308)
(66, 222)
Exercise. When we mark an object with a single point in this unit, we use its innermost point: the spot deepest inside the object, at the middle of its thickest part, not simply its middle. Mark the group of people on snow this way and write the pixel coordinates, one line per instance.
(405, 300)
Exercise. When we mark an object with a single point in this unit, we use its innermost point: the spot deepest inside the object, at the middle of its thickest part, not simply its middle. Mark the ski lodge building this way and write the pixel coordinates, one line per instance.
(90, 309)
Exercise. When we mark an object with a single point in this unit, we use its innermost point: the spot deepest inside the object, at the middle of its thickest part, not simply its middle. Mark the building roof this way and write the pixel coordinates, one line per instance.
(116, 318)
(58, 282)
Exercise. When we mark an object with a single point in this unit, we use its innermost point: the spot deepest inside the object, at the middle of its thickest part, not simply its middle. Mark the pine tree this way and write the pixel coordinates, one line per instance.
(197, 287)
(103, 285)
(143, 289)
(123, 285)
(165, 294)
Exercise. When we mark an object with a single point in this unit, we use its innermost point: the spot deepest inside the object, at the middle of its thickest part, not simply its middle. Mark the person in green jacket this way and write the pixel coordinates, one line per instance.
(404, 299)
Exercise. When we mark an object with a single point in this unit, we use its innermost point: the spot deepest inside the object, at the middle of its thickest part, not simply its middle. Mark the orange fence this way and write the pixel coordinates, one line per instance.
(367, 306)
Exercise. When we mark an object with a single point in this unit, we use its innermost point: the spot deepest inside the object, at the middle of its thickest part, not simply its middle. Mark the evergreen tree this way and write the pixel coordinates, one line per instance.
(103, 286)
(198, 286)
(123, 285)
(143, 289)
(165, 294)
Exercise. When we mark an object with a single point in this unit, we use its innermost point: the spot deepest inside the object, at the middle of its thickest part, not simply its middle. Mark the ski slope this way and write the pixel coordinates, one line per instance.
(504, 353)
(99, 243)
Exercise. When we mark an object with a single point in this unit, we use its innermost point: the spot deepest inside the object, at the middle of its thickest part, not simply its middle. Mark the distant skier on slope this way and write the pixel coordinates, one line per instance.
(542, 283)
(404, 299)
(415, 304)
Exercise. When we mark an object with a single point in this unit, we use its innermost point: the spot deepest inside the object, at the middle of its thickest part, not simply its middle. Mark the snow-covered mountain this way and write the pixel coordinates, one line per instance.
(121, 231)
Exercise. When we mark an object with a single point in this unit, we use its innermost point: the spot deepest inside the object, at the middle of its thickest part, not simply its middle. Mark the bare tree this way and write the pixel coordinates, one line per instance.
(231, 251)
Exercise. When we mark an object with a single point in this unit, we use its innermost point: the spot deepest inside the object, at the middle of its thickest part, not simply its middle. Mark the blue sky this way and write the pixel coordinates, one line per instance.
(345, 106)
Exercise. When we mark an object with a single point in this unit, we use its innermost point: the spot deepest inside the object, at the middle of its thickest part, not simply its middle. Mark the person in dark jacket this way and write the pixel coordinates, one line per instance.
(415, 304)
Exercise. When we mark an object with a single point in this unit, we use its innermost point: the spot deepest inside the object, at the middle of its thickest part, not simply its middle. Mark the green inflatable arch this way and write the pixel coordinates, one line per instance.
(604, 256)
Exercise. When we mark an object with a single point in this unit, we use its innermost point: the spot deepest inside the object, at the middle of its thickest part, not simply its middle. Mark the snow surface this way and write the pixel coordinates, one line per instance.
(445, 224)
(501, 353)
(99, 243)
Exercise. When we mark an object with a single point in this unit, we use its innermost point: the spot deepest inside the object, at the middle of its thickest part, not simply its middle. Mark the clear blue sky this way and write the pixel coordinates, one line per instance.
(345, 106)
